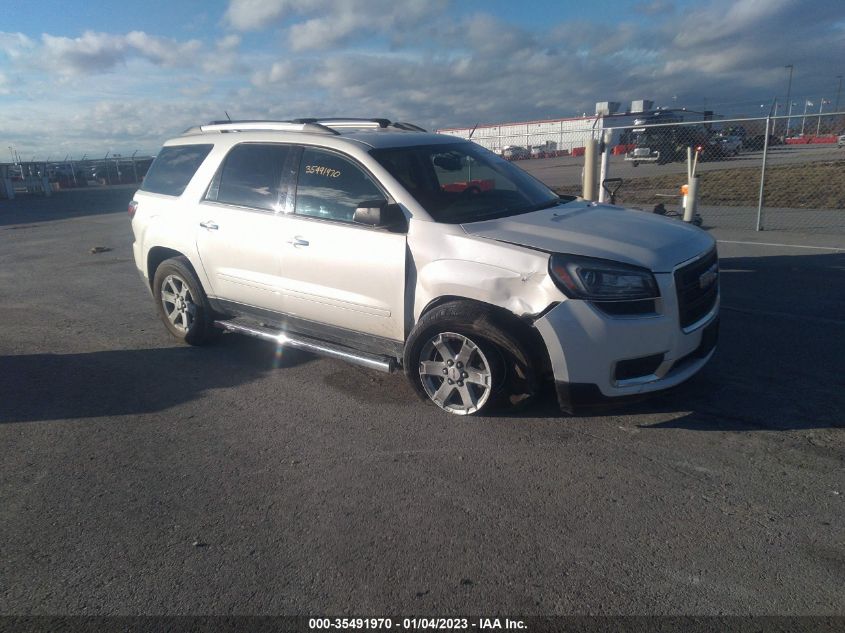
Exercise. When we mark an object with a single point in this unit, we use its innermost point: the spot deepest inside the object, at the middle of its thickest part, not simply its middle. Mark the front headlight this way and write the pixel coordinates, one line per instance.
(601, 280)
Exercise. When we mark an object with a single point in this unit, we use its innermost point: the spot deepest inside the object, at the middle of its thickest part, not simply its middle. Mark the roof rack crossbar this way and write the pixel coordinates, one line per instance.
(347, 122)
(408, 126)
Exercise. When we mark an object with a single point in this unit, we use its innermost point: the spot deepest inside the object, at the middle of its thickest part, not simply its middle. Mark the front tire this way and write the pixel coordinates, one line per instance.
(461, 357)
(181, 302)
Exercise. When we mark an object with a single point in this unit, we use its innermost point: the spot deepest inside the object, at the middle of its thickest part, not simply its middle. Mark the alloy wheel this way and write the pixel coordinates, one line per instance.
(455, 373)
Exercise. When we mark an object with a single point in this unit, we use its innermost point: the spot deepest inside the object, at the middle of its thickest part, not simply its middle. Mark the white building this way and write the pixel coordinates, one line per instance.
(562, 135)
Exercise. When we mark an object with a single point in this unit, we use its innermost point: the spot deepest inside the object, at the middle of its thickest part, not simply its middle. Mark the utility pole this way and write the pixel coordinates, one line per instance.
(819, 124)
(789, 98)
(134, 169)
(838, 93)
(804, 118)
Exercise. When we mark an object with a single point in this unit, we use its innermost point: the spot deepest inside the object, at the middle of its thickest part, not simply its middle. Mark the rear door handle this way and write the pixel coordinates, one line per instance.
(209, 224)
(298, 241)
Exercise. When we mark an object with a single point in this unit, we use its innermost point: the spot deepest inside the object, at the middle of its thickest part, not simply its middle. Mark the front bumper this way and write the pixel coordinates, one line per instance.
(585, 345)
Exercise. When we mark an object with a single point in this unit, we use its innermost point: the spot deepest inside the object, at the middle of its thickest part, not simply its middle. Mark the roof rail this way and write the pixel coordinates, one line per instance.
(319, 126)
(283, 126)
(347, 122)
(356, 122)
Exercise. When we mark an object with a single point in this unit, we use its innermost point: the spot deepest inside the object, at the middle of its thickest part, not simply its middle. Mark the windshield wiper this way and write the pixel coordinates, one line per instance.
(519, 211)
(476, 216)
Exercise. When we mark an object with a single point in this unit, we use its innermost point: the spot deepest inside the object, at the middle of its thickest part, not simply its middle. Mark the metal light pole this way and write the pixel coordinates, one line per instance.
(789, 98)
(838, 93)
(804, 118)
(819, 124)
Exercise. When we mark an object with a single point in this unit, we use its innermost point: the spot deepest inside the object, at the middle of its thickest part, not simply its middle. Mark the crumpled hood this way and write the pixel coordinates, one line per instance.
(598, 230)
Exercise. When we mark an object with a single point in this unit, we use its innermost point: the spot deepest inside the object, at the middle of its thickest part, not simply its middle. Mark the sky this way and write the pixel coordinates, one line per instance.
(86, 77)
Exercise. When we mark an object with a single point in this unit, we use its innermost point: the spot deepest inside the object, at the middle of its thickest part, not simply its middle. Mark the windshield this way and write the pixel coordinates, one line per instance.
(463, 182)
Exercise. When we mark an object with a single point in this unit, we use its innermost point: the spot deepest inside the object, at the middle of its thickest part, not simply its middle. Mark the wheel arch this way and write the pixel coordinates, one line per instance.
(522, 328)
(159, 254)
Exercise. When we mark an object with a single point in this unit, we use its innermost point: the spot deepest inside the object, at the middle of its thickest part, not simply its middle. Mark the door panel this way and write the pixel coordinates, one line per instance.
(241, 256)
(241, 228)
(346, 276)
(334, 271)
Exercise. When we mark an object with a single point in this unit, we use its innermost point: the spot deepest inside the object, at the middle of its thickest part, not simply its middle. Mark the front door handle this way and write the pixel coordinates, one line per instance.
(209, 224)
(298, 241)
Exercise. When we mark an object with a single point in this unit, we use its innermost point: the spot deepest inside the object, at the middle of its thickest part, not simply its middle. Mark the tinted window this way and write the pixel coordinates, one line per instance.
(463, 182)
(173, 168)
(332, 187)
(251, 177)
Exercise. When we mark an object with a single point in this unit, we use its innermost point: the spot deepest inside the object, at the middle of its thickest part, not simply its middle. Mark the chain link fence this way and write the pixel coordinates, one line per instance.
(42, 177)
(777, 173)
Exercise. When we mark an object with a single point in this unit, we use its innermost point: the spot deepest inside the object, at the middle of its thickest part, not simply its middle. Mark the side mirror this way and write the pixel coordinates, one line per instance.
(380, 213)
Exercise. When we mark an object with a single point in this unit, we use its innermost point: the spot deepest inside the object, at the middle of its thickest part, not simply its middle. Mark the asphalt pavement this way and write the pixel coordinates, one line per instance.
(140, 476)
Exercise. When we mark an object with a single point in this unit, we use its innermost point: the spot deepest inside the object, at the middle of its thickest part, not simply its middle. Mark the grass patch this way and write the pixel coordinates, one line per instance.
(817, 185)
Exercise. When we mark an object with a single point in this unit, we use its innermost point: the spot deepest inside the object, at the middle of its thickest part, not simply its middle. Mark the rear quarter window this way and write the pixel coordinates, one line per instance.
(173, 168)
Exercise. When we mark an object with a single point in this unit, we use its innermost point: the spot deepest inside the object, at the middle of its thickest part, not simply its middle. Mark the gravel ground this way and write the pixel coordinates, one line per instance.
(142, 477)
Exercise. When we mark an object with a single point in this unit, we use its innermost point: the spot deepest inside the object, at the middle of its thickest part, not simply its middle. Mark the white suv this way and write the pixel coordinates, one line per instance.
(390, 247)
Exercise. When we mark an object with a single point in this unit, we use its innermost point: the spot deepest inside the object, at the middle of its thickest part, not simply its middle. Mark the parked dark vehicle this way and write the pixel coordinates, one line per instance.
(755, 143)
(515, 152)
(667, 144)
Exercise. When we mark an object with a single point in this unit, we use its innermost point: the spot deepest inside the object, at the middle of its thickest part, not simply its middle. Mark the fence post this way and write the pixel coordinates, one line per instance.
(691, 204)
(589, 192)
(763, 175)
(605, 158)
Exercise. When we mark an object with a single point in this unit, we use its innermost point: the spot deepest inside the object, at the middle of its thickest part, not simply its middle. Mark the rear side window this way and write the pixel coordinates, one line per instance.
(173, 168)
(251, 176)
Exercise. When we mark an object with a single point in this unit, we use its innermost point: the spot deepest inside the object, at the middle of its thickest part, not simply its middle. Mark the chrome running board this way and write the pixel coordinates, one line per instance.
(322, 348)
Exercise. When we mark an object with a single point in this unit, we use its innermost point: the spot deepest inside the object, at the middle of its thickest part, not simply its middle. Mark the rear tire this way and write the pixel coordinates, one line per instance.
(461, 357)
(181, 302)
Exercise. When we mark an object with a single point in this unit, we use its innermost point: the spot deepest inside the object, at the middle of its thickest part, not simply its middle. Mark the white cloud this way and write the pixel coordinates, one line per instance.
(90, 52)
(229, 42)
(13, 45)
(163, 51)
(327, 23)
(246, 15)
(94, 52)
(279, 71)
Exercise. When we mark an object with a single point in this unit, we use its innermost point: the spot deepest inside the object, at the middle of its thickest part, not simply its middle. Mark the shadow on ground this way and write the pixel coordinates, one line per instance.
(37, 387)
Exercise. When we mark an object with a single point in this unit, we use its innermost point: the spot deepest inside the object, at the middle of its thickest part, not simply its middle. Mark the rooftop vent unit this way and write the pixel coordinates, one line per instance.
(642, 105)
(605, 108)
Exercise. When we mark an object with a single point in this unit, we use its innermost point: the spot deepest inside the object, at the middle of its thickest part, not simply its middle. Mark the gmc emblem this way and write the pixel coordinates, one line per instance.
(709, 276)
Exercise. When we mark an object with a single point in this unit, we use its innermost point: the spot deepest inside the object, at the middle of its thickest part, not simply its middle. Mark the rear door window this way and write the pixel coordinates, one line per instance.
(173, 169)
(254, 175)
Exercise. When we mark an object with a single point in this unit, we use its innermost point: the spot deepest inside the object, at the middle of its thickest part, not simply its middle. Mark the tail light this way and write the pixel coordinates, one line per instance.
(133, 207)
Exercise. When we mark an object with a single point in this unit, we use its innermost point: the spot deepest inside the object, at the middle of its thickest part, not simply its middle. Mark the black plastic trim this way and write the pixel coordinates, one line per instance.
(573, 397)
